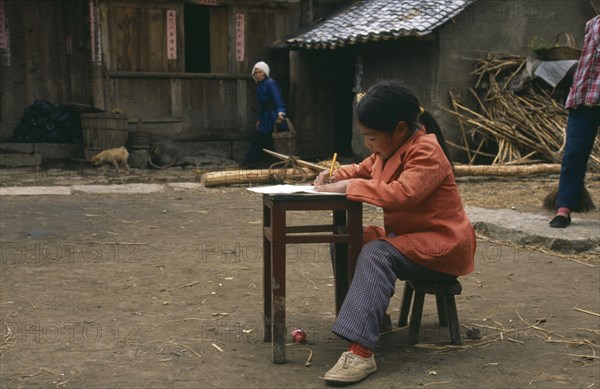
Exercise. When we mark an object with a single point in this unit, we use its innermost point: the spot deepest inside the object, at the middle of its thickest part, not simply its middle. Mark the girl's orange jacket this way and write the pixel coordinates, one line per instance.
(422, 209)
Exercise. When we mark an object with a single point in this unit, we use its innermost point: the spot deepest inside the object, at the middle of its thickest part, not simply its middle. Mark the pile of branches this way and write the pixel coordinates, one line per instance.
(527, 126)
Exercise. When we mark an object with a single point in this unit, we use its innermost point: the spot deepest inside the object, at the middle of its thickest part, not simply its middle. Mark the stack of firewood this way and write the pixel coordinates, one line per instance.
(527, 126)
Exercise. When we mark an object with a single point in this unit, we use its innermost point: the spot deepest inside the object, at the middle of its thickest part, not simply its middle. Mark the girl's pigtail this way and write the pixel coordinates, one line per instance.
(432, 127)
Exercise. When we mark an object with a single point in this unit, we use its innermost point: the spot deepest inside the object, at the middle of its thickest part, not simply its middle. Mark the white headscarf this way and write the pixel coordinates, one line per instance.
(262, 66)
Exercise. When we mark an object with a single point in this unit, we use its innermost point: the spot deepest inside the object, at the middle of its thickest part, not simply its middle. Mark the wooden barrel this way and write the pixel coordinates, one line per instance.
(102, 131)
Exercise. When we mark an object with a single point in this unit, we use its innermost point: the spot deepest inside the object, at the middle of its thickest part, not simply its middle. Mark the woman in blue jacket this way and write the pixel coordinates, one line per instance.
(272, 110)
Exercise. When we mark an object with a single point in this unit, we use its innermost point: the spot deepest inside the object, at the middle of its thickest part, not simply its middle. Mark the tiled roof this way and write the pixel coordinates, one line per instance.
(373, 20)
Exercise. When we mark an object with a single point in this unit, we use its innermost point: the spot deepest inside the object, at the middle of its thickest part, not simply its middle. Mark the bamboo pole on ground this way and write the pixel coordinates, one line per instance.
(254, 176)
(505, 170)
(461, 170)
(262, 176)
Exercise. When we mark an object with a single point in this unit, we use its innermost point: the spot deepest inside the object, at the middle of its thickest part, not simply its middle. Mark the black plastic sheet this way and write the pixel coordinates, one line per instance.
(42, 122)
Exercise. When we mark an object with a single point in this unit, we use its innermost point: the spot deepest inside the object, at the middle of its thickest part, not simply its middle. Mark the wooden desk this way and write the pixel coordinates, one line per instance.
(345, 232)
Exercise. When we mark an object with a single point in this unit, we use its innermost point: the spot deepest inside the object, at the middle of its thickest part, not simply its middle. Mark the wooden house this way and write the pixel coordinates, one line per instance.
(179, 69)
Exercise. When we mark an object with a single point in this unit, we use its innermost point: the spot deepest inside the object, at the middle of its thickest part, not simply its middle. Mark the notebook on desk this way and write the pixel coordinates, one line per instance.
(289, 189)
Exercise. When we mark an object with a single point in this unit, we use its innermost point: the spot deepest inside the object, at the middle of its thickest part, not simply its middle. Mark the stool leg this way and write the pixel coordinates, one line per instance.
(405, 307)
(415, 318)
(453, 319)
(440, 302)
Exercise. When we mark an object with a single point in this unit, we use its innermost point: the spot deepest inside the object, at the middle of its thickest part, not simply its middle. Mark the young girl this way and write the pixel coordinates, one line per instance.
(426, 235)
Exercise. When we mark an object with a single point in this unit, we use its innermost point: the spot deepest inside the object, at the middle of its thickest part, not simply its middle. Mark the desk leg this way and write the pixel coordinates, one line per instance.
(267, 275)
(355, 230)
(340, 261)
(267, 289)
(278, 286)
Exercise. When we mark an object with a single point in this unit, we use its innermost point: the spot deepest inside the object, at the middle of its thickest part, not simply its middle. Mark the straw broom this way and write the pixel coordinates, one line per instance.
(586, 203)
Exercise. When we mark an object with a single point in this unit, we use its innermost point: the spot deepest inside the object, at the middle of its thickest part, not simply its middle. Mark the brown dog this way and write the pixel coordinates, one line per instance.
(117, 157)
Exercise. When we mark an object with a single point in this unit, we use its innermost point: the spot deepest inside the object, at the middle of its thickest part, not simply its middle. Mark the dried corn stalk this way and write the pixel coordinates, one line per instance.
(528, 127)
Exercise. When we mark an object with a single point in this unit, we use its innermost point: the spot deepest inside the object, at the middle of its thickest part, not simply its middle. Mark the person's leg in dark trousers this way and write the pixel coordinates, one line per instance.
(582, 127)
(260, 140)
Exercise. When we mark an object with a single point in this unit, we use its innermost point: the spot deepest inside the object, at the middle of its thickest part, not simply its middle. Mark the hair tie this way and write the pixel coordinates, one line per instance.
(359, 96)
(421, 111)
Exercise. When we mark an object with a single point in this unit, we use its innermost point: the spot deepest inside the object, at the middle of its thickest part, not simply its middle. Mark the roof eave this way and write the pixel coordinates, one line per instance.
(299, 44)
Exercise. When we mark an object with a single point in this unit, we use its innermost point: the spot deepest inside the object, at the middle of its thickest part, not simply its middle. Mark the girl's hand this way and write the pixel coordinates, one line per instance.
(335, 187)
(323, 178)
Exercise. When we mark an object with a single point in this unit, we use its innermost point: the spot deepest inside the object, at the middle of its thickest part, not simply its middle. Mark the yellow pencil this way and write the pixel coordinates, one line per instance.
(332, 164)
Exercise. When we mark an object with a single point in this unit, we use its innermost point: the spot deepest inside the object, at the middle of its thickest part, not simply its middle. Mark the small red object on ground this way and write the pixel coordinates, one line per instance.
(299, 335)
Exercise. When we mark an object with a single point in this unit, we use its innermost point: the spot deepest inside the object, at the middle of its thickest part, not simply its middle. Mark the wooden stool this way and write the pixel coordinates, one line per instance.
(444, 299)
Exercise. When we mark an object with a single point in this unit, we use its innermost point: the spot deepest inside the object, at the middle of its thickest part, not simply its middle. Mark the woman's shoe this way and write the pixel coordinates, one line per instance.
(560, 221)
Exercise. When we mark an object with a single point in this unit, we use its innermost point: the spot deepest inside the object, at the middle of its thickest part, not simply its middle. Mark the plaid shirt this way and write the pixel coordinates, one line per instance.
(585, 89)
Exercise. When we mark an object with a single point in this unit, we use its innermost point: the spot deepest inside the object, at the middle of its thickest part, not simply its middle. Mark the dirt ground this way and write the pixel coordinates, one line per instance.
(164, 290)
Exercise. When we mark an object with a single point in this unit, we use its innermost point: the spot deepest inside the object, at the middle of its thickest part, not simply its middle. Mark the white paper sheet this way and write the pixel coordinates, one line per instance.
(288, 189)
